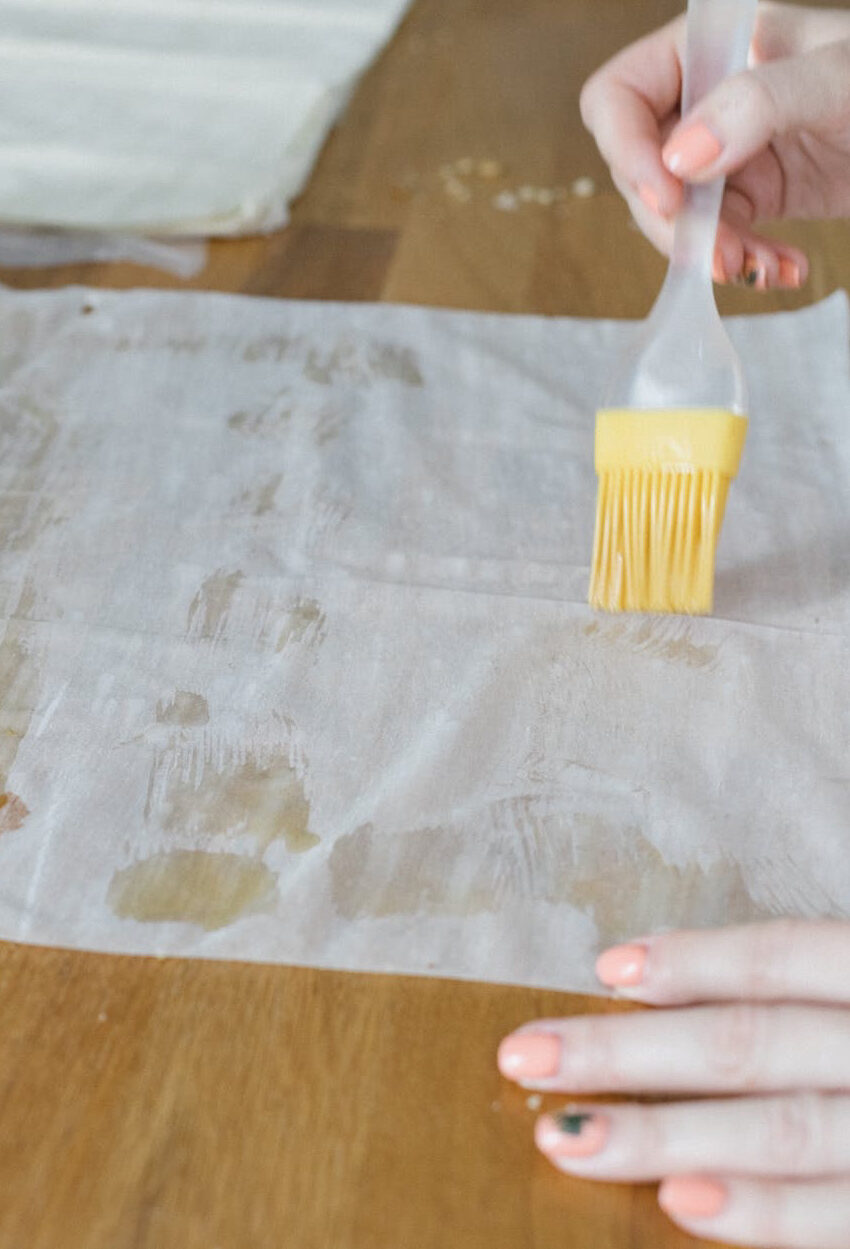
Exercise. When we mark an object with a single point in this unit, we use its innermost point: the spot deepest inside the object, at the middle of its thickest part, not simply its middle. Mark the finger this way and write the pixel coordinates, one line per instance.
(793, 265)
(759, 187)
(740, 255)
(797, 1136)
(759, 266)
(784, 30)
(628, 136)
(750, 259)
(623, 105)
(656, 228)
(739, 118)
(785, 959)
(730, 253)
(814, 1214)
(709, 1049)
(746, 256)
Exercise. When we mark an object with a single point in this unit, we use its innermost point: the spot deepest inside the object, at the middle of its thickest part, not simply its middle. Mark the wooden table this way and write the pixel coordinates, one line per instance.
(194, 1105)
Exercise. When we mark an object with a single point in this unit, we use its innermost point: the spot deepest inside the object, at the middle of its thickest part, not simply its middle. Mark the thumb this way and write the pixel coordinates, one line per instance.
(739, 118)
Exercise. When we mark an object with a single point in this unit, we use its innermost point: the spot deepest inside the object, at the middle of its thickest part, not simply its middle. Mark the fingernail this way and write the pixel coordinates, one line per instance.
(573, 1133)
(622, 966)
(692, 1197)
(691, 150)
(718, 270)
(752, 274)
(650, 198)
(530, 1056)
(789, 272)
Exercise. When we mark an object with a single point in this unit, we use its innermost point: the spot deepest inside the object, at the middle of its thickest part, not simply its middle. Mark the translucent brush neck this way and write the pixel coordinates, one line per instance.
(683, 357)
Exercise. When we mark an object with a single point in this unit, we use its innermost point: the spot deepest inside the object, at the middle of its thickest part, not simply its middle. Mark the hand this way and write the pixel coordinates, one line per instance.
(780, 132)
(768, 1166)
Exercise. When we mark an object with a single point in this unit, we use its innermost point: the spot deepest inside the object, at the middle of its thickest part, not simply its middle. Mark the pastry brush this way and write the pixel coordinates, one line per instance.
(670, 441)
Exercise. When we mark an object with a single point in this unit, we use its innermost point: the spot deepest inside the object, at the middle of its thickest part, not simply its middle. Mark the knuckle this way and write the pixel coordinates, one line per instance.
(654, 1148)
(764, 100)
(591, 1061)
(666, 968)
(749, 100)
(795, 1134)
(836, 65)
(766, 959)
(736, 1045)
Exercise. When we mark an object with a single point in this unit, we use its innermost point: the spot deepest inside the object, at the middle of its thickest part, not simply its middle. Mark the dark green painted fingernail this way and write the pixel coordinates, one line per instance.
(574, 1133)
(572, 1122)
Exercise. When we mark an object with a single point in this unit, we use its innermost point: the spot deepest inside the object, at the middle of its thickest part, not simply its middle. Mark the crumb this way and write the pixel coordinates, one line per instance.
(102, 1017)
(506, 202)
(545, 197)
(464, 166)
(528, 194)
(584, 188)
(489, 169)
(494, 1106)
(534, 1102)
(457, 190)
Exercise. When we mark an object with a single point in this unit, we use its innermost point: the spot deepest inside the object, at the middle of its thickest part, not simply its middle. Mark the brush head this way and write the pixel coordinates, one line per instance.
(664, 477)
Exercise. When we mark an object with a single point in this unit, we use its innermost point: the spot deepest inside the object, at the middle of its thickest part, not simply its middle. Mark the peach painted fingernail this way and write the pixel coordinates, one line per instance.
(789, 272)
(650, 198)
(530, 1056)
(718, 270)
(692, 150)
(692, 1197)
(572, 1134)
(622, 966)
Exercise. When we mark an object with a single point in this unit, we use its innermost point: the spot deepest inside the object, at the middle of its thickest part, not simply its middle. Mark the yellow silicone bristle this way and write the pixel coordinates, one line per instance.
(663, 482)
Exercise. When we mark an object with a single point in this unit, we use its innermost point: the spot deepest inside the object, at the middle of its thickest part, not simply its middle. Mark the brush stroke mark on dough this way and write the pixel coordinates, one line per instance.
(184, 708)
(274, 347)
(176, 344)
(305, 622)
(24, 516)
(196, 887)
(280, 417)
(349, 361)
(211, 605)
(25, 605)
(328, 427)
(13, 812)
(658, 639)
(259, 500)
(629, 888)
(26, 434)
(19, 682)
(264, 422)
(262, 799)
(511, 855)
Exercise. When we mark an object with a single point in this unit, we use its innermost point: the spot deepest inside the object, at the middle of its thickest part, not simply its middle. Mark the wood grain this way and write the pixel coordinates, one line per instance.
(195, 1105)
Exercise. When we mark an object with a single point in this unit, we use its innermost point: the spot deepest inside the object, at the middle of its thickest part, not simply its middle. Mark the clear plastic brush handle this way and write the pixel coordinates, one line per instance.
(718, 42)
(683, 356)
